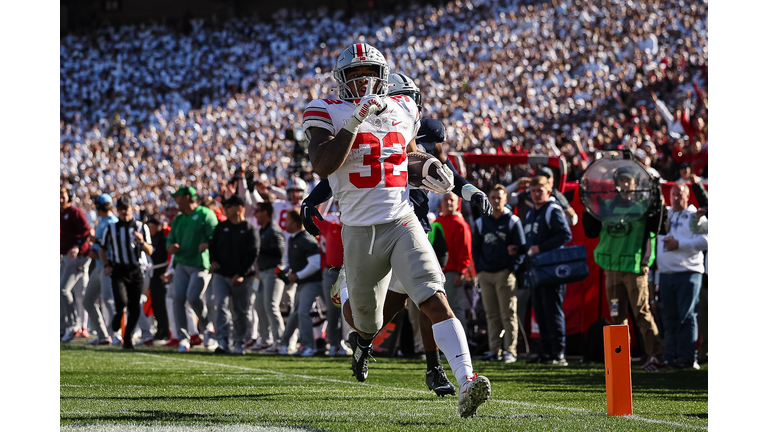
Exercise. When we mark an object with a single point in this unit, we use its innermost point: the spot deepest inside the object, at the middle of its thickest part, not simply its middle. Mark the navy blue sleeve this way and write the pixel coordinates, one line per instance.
(458, 180)
(560, 232)
(321, 193)
(517, 239)
(477, 250)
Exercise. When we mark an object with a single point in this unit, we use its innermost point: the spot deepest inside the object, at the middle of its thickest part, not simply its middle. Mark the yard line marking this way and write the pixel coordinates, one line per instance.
(634, 417)
(512, 402)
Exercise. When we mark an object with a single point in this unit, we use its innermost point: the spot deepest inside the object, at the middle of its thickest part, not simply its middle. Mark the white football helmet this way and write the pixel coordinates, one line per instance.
(400, 84)
(296, 183)
(356, 55)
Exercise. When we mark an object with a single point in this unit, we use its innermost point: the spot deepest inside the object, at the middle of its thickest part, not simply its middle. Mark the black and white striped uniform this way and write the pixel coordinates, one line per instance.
(120, 241)
(127, 280)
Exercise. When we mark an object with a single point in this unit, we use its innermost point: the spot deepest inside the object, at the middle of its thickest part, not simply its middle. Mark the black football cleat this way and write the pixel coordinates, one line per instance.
(438, 382)
(360, 356)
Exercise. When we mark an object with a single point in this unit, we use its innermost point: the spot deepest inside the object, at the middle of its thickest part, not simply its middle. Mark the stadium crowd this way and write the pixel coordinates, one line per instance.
(147, 109)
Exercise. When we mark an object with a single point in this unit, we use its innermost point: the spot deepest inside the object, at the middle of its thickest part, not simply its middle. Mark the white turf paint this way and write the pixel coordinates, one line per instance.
(512, 402)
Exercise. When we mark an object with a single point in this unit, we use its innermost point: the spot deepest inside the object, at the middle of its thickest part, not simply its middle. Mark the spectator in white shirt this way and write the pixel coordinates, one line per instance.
(680, 264)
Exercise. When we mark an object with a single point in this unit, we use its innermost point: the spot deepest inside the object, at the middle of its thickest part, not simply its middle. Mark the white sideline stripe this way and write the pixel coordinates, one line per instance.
(634, 417)
(512, 402)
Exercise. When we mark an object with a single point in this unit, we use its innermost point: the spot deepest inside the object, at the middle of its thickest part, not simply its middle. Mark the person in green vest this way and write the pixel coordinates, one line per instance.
(626, 251)
(188, 240)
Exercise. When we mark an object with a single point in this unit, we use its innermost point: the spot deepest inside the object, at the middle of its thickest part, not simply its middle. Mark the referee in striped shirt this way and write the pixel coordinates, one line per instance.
(126, 239)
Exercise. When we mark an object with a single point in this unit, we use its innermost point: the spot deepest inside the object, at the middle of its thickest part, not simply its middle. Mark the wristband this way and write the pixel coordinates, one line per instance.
(352, 125)
(468, 190)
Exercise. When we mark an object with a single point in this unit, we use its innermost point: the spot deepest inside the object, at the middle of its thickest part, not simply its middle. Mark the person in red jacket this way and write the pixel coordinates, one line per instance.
(458, 236)
(74, 248)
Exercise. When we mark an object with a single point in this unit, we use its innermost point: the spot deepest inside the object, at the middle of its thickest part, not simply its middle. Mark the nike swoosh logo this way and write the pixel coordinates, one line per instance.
(406, 223)
(421, 136)
(395, 124)
(459, 355)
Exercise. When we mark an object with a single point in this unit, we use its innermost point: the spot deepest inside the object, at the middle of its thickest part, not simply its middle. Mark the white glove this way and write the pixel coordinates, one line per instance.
(441, 185)
(369, 105)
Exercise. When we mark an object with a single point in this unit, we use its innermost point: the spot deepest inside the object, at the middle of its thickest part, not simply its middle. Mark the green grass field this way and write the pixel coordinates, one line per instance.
(106, 389)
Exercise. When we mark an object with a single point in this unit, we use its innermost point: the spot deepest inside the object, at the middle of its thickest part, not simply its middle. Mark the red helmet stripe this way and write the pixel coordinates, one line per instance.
(358, 50)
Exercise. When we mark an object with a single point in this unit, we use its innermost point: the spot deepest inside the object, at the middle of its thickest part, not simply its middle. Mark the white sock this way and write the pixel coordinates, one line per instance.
(451, 339)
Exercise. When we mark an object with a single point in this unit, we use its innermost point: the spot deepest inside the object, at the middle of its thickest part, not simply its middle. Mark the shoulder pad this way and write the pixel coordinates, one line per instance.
(406, 102)
(316, 113)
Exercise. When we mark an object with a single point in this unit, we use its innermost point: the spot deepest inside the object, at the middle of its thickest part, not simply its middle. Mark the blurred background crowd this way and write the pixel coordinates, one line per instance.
(148, 107)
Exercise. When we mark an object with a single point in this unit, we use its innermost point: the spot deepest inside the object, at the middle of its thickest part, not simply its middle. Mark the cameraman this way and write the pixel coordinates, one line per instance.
(626, 252)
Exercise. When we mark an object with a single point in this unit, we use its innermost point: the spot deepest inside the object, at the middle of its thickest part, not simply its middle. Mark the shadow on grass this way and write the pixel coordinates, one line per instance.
(144, 416)
(167, 398)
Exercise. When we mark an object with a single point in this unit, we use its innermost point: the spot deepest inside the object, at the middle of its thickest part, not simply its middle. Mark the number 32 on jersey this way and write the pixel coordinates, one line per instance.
(373, 160)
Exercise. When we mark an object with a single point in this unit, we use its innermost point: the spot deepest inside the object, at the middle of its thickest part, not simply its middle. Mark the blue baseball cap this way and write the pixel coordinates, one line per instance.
(104, 199)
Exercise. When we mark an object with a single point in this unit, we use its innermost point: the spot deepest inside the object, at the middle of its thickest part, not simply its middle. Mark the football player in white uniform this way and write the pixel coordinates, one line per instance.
(360, 143)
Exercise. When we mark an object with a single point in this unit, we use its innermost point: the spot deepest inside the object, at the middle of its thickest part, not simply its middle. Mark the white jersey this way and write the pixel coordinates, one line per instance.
(372, 184)
(280, 211)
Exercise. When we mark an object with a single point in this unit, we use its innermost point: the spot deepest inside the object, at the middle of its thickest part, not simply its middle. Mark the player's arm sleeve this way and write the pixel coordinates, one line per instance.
(316, 115)
(458, 180)
(321, 193)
